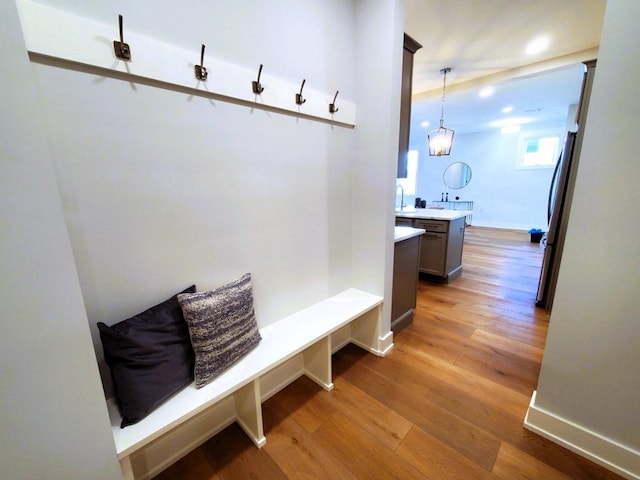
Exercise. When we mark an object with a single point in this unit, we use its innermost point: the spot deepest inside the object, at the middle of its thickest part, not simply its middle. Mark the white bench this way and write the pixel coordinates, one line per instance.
(299, 344)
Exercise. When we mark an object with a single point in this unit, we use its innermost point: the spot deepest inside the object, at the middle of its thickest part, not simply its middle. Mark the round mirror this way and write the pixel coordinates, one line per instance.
(457, 175)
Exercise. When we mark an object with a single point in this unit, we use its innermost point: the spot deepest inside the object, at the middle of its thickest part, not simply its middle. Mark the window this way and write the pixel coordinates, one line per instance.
(409, 183)
(539, 151)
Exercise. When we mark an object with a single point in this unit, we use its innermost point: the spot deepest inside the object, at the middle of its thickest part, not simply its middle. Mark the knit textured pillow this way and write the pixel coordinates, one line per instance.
(222, 326)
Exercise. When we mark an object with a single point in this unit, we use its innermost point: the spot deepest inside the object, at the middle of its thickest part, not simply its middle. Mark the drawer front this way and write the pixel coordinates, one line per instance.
(441, 226)
(408, 222)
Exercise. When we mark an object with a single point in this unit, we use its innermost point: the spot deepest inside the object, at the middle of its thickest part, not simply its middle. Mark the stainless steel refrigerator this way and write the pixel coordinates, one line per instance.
(560, 194)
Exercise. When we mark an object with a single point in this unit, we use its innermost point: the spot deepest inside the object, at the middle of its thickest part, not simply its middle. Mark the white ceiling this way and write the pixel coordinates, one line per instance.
(484, 42)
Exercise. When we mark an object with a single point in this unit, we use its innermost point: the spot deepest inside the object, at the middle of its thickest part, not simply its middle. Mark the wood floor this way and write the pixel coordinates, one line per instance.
(447, 402)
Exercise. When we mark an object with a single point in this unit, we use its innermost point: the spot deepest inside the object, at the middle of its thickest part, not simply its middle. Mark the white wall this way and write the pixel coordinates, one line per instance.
(160, 189)
(380, 27)
(53, 420)
(504, 195)
(589, 382)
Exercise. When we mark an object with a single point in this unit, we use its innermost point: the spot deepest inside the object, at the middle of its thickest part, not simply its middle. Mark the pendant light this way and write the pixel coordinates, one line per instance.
(440, 139)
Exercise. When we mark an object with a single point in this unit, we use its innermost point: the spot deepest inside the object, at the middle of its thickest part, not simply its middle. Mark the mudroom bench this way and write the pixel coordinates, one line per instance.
(300, 344)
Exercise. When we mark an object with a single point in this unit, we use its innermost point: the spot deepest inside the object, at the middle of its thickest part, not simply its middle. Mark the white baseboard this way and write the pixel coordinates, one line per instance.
(599, 449)
(340, 338)
(386, 344)
(280, 377)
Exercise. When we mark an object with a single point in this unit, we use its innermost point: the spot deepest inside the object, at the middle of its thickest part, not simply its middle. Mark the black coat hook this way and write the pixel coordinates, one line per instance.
(121, 49)
(332, 106)
(200, 70)
(256, 86)
(299, 98)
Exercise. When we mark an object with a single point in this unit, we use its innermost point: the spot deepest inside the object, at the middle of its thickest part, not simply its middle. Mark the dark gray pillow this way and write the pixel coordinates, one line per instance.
(150, 358)
(222, 325)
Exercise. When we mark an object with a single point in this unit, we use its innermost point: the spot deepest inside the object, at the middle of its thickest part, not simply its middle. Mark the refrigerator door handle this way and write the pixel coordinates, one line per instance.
(560, 189)
(551, 189)
(544, 273)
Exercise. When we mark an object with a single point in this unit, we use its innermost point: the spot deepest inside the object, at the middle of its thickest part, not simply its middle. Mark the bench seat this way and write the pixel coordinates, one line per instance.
(306, 333)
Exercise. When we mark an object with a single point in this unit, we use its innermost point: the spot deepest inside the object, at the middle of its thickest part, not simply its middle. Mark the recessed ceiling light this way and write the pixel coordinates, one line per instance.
(507, 109)
(424, 124)
(537, 45)
(486, 92)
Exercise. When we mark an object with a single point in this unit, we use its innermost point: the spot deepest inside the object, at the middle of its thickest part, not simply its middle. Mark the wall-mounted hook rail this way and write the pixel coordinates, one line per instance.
(120, 48)
(200, 70)
(332, 106)
(299, 98)
(170, 67)
(256, 86)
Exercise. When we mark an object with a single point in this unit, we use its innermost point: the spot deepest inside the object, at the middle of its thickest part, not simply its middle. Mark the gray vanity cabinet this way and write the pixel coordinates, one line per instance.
(433, 253)
(405, 282)
(440, 247)
(455, 240)
(405, 222)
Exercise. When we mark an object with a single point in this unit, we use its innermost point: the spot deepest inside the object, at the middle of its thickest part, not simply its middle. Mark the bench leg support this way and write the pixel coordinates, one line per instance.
(127, 469)
(317, 363)
(249, 412)
(365, 331)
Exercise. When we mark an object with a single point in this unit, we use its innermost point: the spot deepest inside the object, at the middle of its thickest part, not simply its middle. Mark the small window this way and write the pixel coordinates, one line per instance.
(540, 151)
(409, 183)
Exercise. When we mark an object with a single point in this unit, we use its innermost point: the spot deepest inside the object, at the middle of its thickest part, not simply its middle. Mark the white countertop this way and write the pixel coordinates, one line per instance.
(432, 213)
(405, 233)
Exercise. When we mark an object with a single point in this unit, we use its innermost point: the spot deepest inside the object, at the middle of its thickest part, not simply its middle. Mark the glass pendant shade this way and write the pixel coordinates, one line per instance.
(440, 141)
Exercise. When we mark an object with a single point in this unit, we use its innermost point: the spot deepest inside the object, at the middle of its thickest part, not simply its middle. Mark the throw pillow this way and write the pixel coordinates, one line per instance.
(150, 357)
(222, 325)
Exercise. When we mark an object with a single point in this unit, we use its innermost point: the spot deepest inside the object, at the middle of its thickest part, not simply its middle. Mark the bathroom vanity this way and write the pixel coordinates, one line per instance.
(441, 244)
(405, 276)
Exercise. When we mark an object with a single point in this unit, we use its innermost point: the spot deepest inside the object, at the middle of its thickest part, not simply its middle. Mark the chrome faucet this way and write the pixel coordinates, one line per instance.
(401, 195)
